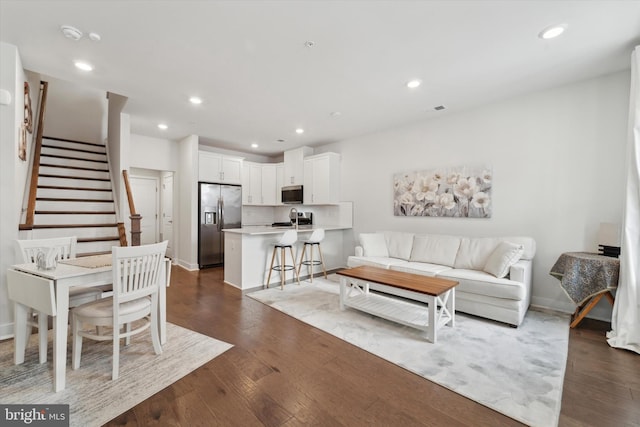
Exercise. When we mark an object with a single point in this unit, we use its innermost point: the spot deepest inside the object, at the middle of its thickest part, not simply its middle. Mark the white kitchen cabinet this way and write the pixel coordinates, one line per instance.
(322, 179)
(259, 184)
(279, 182)
(269, 184)
(213, 167)
(251, 183)
(294, 165)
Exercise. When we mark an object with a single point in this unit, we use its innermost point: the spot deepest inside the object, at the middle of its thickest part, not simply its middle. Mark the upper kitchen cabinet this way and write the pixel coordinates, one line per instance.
(258, 184)
(322, 179)
(279, 182)
(294, 165)
(213, 167)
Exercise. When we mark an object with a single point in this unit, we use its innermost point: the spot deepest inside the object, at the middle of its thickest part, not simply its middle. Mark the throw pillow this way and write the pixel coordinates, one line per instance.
(374, 244)
(503, 256)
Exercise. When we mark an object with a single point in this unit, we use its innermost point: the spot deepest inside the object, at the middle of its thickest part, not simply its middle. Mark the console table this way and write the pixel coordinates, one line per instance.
(586, 277)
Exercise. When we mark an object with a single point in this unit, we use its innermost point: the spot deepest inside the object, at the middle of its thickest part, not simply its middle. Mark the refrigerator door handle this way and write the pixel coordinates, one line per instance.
(220, 214)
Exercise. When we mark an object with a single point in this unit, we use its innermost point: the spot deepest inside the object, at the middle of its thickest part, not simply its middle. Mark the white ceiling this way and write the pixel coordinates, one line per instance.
(248, 60)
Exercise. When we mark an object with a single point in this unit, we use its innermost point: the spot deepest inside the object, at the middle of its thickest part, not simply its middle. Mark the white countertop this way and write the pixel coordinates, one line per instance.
(267, 229)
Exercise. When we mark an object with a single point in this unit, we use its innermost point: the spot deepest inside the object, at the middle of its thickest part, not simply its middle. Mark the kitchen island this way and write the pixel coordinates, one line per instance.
(248, 251)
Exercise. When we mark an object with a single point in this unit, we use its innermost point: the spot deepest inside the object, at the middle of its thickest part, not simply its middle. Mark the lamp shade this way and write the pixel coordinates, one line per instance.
(609, 234)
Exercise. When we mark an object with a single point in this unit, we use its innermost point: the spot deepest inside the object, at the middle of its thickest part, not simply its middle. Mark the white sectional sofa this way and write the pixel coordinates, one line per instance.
(494, 273)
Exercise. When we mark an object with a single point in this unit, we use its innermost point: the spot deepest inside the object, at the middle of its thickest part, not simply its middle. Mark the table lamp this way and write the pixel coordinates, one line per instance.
(609, 239)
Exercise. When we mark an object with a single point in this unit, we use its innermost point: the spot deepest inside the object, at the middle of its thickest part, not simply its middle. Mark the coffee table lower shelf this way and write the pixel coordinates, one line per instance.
(396, 310)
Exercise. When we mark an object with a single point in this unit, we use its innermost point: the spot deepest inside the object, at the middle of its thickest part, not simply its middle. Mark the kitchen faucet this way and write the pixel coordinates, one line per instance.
(293, 214)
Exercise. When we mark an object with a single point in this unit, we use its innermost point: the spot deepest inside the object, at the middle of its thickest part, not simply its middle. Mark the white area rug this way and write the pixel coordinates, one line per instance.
(518, 372)
(92, 397)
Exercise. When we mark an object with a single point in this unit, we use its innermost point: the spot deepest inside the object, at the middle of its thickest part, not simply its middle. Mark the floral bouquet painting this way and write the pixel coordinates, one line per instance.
(459, 192)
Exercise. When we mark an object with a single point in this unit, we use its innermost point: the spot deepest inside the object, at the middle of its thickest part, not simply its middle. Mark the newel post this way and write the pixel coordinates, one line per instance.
(135, 229)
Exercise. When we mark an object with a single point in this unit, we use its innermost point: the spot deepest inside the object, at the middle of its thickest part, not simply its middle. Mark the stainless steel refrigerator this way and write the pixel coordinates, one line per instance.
(220, 207)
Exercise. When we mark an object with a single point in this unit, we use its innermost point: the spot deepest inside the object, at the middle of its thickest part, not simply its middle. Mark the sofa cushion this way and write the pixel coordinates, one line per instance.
(435, 249)
(399, 244)
(479, 282)
(528, 244)
(474, 252)
(423, 268)
(503, 256)
(374, 261)
(374, 244)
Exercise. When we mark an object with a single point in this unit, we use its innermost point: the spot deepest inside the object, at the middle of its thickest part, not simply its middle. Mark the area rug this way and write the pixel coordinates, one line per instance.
(518, 372)
(92, 396)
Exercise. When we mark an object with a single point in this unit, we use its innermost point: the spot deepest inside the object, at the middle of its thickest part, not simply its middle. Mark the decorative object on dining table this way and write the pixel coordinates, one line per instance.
(47, 259)
(586, 277)
(609, 239)
(459, 192)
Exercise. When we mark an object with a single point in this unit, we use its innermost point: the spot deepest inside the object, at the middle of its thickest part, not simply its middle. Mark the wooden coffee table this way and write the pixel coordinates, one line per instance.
(439, 294)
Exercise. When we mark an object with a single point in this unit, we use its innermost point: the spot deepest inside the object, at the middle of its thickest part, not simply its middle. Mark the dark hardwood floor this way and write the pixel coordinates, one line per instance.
(282, 372)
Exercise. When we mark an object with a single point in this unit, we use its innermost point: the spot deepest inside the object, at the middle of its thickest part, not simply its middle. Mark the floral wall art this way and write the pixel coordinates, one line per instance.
(458, 192)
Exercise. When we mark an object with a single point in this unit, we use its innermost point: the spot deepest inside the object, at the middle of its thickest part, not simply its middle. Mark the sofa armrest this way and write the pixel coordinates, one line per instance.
(359, 251)
(521, 272)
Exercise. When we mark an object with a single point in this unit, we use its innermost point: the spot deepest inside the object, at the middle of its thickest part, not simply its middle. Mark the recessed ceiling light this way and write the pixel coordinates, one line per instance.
(94, 37)
(195, 100)
(254, 145)
(84, 66)
(163, 126)
(299, 131)
(552, 31)
(412, 84)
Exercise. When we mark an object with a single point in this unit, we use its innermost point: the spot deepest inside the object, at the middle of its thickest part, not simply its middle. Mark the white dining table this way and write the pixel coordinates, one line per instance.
(47, 291)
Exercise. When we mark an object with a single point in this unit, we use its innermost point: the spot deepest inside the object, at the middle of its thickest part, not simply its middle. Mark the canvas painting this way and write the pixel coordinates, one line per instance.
(457, 192)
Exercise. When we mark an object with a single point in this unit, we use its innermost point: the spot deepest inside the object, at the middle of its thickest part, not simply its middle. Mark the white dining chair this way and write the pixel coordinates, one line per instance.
(136, 280)
(64, 248)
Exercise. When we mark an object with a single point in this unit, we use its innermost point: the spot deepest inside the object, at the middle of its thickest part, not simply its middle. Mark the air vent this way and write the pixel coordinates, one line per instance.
(439, 107)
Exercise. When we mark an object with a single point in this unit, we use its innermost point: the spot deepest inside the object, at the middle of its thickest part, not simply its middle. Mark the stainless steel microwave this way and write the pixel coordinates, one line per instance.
(292, 195)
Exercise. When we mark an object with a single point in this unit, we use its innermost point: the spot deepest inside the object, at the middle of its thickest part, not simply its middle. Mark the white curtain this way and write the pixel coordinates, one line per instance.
(625, 322)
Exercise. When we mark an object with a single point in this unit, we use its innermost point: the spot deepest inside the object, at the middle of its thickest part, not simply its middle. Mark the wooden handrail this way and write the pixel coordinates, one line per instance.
(35, 169)
(127, 186)
(135, 217)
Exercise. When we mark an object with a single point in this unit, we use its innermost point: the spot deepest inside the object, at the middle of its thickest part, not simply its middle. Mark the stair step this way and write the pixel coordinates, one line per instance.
(78, 170)
(37, 212)
(38, 226)
(100, 246)
(63, 199)
(49, 146)
(75, 205)
(67, 157)
(73, 182)
(98, 239)
(81, 232)
(87, 219)
(71, 193)
(76, 163)
(72, 143)
(47, 175)
(62, 187)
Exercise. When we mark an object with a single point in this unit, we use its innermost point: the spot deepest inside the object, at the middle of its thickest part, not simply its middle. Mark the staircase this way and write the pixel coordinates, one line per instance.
(74, 196)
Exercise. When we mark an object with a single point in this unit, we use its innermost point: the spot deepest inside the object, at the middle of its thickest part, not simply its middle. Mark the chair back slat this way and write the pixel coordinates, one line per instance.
(65, 248)
(136, 270)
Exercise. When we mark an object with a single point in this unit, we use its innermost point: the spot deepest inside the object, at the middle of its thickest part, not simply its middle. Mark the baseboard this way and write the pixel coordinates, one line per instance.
(6, 331)
(186, 265)
(602, 311)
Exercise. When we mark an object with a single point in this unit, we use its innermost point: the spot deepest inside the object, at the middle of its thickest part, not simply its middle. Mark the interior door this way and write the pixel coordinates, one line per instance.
(145, 198)
(166, 195)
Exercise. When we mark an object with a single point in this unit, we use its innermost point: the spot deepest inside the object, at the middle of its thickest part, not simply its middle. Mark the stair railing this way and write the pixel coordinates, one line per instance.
(135, 217)
(35, 165)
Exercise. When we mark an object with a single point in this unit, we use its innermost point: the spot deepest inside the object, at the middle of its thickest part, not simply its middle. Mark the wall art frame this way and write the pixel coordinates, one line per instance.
(456, 192)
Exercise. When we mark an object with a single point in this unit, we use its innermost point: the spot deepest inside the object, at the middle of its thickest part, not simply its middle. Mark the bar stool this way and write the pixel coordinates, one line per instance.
(287, 241)
(316, 237)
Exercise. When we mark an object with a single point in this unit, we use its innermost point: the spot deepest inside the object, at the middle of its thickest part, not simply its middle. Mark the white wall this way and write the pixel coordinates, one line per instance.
(187, 194)
(557, 157)
(153, 153)
(13, 171)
